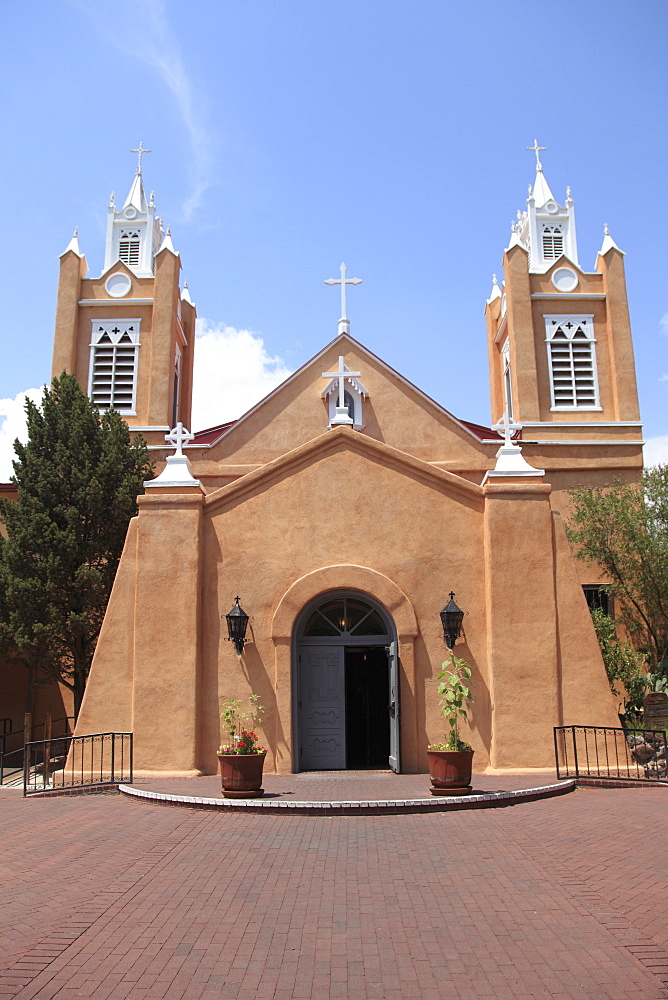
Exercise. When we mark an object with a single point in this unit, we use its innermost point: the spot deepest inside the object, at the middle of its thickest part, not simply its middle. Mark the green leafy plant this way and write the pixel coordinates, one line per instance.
(622, 664)
(455, 698)
(623, 529)
(241, 738)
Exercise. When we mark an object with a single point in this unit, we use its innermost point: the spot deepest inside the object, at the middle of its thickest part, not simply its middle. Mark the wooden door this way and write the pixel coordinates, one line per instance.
(322, 708)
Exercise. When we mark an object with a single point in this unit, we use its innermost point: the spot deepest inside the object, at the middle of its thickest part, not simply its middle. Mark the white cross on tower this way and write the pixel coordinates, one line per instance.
(342, 374)
(140, 151)
(507, 426)
(178, 437)
(344, 325)
(536, 149)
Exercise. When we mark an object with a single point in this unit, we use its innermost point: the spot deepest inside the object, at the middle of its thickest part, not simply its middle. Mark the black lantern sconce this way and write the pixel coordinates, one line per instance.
(237, 622)
(451, 619)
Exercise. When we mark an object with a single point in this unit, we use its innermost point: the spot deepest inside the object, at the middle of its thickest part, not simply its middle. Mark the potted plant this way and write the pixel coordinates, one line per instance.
(451, 763)
(241, 758)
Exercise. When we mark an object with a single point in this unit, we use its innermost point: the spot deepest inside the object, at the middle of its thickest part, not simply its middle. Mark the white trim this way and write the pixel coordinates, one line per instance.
(568, 295)
(154, 427)
(582, 423)
(585, 321)
(95, 345)
(580, 409)
(120, 302)
(577, 441)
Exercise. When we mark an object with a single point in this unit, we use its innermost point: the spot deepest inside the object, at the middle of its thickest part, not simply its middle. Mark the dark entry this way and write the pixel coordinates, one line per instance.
(367, 700)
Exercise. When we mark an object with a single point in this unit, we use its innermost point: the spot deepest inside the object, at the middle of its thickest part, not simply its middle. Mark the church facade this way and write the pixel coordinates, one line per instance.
(345, 507)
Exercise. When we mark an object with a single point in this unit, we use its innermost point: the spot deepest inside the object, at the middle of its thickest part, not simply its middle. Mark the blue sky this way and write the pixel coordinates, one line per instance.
(289, 136)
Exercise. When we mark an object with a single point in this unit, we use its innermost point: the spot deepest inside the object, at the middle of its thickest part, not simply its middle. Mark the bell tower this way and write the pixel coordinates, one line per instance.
(559, 337)
(128, 335)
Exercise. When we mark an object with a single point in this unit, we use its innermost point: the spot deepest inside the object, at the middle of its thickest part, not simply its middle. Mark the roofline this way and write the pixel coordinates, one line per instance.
(383, 364)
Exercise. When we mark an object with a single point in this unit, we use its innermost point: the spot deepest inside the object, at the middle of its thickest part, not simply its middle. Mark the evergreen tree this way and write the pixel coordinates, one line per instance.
(78, 478)
(623, 528)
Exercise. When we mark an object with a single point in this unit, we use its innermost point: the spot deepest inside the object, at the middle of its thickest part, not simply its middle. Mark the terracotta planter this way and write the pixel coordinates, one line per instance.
(241, 775)
(450, 771)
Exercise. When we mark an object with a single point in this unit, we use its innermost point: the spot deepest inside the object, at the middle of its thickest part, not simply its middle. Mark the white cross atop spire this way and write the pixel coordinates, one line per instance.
(536, 149)
(140, 152)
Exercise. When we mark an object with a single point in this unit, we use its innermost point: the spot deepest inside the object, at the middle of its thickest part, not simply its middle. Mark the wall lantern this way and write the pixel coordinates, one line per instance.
(451, 618)
(237, 622)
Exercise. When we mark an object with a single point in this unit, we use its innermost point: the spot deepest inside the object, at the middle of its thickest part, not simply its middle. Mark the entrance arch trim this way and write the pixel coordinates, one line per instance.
(345, 576)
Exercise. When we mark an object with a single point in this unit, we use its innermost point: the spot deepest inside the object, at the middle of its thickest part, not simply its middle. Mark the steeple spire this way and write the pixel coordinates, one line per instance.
(134, 233)
(546, 229)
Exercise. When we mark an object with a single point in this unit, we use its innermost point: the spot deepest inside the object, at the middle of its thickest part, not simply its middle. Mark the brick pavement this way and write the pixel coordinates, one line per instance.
(108, 899)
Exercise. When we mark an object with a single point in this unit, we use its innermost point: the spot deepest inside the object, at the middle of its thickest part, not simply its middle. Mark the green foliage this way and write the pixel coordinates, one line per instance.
(622, 663)
(78, 478)
(623, 529)
(455, 698)
(241, 739)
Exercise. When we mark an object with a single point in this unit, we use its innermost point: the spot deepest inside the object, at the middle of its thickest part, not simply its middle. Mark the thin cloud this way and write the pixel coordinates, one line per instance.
(664, 323)
(12, 426)
(656, 451)
(149, 38)
(232, 372)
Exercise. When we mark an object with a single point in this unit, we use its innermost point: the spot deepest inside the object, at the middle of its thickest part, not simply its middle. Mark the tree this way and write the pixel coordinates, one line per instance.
(78, 478)
(623, 529)
(622, 663)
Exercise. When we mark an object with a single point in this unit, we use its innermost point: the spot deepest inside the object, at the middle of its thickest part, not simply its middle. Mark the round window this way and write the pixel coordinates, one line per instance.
(565, 279)
(118, 285)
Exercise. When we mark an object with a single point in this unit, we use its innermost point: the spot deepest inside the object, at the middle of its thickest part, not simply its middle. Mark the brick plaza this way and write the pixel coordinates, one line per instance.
(108, 898)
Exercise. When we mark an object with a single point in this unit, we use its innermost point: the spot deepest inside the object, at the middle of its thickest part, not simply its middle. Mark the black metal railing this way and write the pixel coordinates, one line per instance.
(7, 726)
(12, 744)
(77, 762)
(604, 752)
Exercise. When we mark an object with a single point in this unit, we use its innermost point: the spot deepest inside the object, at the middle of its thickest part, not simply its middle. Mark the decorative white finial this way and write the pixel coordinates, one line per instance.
(606, 231)
(342, 416)
(536, 149)
(569, 196)
(177, 468)
(76, 232)
(140, 152)
(112, 203)
(169, 230)
(344, 324)
(151, 200)
(509, 458)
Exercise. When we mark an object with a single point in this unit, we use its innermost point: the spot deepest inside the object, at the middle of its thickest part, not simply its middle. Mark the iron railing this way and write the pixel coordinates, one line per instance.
(604, 752)
(6, 726)
(77, 762)
(12, 744)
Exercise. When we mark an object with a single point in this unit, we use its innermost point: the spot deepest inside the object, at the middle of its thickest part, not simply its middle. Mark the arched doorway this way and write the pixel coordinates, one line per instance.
(346, 685)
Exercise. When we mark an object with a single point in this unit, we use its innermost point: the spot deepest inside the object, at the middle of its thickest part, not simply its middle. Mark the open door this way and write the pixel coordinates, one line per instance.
(395, 744)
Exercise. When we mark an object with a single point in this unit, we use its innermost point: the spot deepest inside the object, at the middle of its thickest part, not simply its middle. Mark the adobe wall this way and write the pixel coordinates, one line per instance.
(353, 511)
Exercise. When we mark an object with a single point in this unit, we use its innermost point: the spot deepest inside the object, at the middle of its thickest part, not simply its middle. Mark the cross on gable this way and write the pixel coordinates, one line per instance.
(341, 375)
(343, 281)
(179, 436)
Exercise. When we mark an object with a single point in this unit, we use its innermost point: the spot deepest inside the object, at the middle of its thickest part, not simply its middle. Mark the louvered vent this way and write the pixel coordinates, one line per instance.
(572, 365)
(113, 366)
(128, 247)
(553, 242)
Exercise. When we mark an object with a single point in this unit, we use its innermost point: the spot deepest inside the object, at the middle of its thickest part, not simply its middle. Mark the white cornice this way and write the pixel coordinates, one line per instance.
(576, 442)
(567, 295)
(582, 423)
(115, 302)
